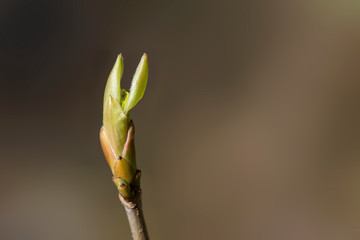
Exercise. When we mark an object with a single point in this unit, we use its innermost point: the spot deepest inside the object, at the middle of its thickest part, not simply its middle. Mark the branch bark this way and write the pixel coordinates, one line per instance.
(135, 216)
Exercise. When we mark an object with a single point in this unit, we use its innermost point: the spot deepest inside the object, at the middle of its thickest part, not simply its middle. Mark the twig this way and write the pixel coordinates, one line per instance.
(136, 217)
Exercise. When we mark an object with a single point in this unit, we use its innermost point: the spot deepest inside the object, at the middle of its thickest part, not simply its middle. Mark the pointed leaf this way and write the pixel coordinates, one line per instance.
(138, 84)
(113, 83)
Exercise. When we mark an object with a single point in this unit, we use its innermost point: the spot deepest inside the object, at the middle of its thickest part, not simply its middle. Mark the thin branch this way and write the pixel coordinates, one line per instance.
(136, 217)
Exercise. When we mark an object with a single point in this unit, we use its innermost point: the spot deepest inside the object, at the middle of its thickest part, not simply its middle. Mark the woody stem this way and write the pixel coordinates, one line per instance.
(136, 217)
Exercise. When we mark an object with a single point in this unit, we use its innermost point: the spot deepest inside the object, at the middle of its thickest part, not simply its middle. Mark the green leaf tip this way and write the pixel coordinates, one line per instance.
(138, 84)
(128, 100)
(113, 83)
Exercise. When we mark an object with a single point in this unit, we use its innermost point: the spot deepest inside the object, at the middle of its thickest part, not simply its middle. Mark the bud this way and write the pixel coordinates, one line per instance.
(124, 188)
(117, 133)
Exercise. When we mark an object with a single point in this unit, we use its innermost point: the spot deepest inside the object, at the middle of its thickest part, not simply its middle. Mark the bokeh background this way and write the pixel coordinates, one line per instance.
(249, 128)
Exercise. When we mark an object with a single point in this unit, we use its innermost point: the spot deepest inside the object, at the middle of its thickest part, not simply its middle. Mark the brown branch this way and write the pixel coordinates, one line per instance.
(135, 216)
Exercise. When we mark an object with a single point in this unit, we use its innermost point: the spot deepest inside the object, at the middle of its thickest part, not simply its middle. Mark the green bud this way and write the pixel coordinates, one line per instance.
(123, 187)
(117, 133)
(138, 84)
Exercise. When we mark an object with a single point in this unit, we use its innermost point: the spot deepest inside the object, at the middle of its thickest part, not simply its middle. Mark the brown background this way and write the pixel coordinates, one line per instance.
(249, 128)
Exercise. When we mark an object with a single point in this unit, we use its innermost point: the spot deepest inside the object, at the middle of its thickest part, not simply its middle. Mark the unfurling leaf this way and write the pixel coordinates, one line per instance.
(138, 84)
(113, 83)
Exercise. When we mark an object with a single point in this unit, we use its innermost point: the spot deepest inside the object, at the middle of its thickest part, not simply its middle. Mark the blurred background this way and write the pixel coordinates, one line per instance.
(249, 128)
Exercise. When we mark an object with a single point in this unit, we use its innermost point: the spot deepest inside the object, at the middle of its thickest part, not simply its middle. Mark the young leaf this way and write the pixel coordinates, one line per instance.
(113, 83)
(138, 84)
